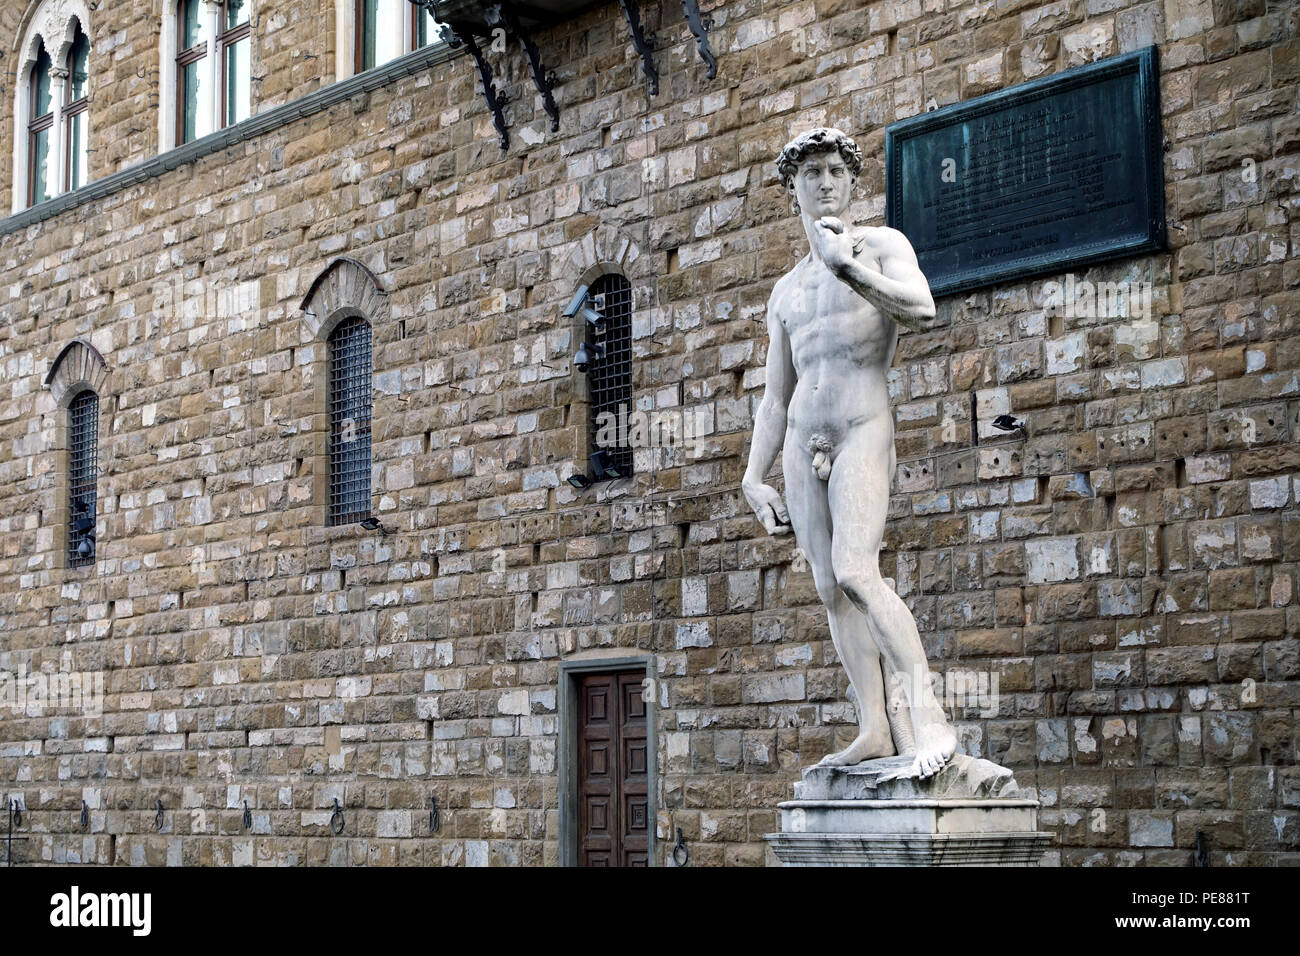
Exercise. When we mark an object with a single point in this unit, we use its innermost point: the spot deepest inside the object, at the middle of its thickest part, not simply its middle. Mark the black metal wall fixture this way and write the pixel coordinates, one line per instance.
(503, 15)
(464, 20)
(463, 35)
(700, 26)
(642, 42)
(15, 820)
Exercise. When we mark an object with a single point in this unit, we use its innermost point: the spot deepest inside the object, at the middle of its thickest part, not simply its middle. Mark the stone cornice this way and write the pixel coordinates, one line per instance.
(250, 128)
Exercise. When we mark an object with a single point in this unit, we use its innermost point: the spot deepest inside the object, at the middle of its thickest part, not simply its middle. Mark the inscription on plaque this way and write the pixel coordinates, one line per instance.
(1056, 173)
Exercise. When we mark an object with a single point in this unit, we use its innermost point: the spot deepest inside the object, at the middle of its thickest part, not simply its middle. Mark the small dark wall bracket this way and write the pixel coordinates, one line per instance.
(700, 25)
(504, 14)
(642, 42)
(1202, 855)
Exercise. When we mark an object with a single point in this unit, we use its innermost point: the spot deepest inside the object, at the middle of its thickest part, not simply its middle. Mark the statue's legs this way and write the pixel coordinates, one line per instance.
(858, 492)
(806, 500)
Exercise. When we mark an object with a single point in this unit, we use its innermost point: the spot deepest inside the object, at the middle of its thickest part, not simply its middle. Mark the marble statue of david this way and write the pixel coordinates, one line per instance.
(833, 325)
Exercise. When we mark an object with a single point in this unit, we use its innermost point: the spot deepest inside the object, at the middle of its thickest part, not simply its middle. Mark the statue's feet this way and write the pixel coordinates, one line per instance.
(936, 742)
(868, 746)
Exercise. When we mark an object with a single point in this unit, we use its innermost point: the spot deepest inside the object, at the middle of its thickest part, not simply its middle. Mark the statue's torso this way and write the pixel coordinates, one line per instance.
(841, 345)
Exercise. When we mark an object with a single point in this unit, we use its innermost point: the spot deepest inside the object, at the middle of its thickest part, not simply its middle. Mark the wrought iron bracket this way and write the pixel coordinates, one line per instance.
(700, 25)
(681, 855)
(15, 820)
(642, 42)
(462, 35)
(504, 14)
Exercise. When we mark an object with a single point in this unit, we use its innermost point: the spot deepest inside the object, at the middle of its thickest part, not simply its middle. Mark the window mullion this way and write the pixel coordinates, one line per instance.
(211, 108)
(58, 86)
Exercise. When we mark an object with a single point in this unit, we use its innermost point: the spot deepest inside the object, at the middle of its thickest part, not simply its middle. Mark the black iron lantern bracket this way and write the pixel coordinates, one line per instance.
(466, 19)
(503, 14)
(642, 42)
(700, 30)
(462, 35)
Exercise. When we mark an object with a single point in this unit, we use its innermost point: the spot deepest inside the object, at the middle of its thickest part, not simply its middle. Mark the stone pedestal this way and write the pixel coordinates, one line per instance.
(876, 814)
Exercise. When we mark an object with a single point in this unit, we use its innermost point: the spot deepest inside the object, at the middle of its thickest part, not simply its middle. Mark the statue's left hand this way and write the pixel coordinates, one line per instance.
(834, 244)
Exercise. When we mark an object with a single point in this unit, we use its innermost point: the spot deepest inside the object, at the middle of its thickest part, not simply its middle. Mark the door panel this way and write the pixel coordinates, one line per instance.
(598, 824)
(614, 771)
(634, 773)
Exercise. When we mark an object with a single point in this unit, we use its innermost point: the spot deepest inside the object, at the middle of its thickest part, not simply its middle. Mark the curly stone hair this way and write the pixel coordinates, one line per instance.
(821, 140)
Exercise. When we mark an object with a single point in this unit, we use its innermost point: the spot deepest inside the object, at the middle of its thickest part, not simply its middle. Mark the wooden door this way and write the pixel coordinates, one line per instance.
(613, 771)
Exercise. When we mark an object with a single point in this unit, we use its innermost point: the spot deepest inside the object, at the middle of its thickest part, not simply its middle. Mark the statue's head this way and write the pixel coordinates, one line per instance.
(819, 168)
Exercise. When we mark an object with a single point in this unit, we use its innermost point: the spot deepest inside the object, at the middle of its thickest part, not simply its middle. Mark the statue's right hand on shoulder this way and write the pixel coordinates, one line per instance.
(768, 506)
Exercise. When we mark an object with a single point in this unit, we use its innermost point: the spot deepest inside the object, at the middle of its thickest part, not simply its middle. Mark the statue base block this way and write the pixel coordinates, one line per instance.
(876, 813)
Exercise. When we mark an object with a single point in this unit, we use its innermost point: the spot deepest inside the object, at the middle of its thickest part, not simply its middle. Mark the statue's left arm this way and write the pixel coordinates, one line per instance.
(899, 289)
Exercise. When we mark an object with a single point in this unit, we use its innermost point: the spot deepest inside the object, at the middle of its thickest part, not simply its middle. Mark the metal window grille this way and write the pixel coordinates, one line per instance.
(349, 410)
(83, 468)
(610, 378)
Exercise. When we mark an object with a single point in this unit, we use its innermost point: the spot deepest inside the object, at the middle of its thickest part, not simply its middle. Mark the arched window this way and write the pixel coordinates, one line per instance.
(51, 113)
(609, 372)
(40, 127)
(83, 465)
(76, 111)
(349, 417)
(212, 67)
(387, 29)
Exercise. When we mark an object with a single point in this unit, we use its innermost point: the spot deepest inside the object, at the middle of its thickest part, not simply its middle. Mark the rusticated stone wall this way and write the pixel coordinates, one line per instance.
(1124, 575)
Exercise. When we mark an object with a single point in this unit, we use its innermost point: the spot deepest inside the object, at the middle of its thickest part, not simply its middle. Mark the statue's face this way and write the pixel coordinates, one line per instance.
(823, 185)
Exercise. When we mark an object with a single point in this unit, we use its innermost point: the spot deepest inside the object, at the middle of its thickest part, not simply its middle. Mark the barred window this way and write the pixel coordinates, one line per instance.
(83, 466)
(349, 411)
(610, 376)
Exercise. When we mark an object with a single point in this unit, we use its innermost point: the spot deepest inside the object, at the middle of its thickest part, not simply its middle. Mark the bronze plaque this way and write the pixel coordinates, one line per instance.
(1057, 173)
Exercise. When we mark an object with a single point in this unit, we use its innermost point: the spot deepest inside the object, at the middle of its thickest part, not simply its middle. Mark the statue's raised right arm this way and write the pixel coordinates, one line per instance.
(898, 289)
